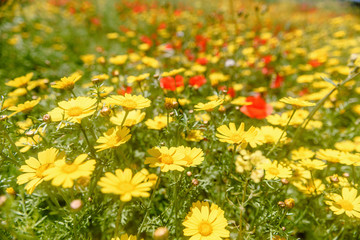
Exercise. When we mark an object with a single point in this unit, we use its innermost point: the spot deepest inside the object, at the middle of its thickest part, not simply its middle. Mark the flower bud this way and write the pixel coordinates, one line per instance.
(30, 133)
(10, 191)
(2, 200)
(105, 111)
(170, 103)
(334, 178)
(281, 204)
(46, 118)
(76, 204)
(283, 228)
(222, 108)
(161, 233)
(290, 203)
(345, 174)
(189, 173)
(195, 182)
(3, 117)
(284, 181)
(115, 73)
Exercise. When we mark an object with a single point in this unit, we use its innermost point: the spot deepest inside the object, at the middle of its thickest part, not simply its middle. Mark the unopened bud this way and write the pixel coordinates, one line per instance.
(290, 203)
(10, 191)
(284, 181)
(334, 179)
(3, 117)
(115, 73)
(97, 80)
(191, 111)
(30, 133)
(170, 103)
(195, 182)
(222, 108)
(161, 233)
(46, 118)
(189, 173)
(2, 200)
(76, 204)
(283, 228)
(345, 174)
(105, 111)
(281, 204)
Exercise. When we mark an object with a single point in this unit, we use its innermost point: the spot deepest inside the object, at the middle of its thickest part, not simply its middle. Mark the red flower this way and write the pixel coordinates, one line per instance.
(314, 63)
(202, 61)
(197, 81)
(124, 89)
(259, 109)
(170, 83)
(277, 82)
(230, 92)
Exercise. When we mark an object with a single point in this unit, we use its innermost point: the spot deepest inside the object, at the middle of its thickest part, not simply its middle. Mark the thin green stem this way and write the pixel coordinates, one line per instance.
(73, 93)
(126, 114)
(283, 132)
(13, 145)
(91, 147)
(118, 218)
(242, 209)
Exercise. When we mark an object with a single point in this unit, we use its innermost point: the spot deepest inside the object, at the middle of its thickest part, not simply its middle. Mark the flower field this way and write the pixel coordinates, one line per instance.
(200, 120)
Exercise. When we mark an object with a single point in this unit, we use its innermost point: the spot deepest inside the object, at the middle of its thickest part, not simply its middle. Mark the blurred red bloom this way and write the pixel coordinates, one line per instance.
(202, 61)
(230, 92)
(171, 83)
(124, 89)
(259, 109)
(197, 81)
(277, 82)
(314, 63)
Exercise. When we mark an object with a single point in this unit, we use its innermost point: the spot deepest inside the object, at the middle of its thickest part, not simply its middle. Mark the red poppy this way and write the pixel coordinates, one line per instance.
(277, 82)
(259, 109)
(267, 59)
(171, 83)
(146, 39)
(202, 61)
(314, 63)
(124, 89)
(96, 21)
(230, 92)
(197, 81)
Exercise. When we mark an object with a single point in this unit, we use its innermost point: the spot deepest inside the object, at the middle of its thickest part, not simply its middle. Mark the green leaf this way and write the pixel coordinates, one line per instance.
(328, 80)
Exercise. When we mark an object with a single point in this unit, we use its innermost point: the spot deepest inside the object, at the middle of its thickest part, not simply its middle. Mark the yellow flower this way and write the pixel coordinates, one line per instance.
(78, 108)
(312, 164)
(34, 168)
(28, 142)
(241, 101)
(24, 125)
(126, 185)
(193, 135)
(329, 155)
(125, 237)
(193, 156)
(346, 146)
(88, 59)
(209, 106)
(310, 187)
(113, 138)
(173, 72)
(133, 117)
(299, 173)
(132, 79)
(25, 107)
(296, 102)
(272, 134)
(67, 83)
(274, 170)
(348, 202)
(118, 60)
(238, 136)
(166, 158)
(129, 102)
(204, 222)
(301, 153)
(158, 123)
(350, 159)
(65, 173)
(20, 82)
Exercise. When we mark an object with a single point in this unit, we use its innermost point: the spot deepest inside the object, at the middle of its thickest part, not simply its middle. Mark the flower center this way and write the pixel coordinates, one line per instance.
(126, 187)
(167, 159)
(236, 138)
(345, 204)
(113, 141)
(129, 104)
(75, 111)
(42, 168)
(69, 168)
(205, 228)
(273, 171)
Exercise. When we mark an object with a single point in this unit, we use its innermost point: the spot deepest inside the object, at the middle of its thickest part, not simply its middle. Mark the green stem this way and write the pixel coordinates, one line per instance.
(92, 150)
(72, 92)
(13, 145)
(126, 114)
(282, 134)
(242, 209)
(118, 218)
(149, 204)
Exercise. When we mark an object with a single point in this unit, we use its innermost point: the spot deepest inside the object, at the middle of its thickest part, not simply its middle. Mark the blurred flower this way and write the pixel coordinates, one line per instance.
(133, 117)
(158, 123)
(20, 82)
(258, 109)
(209, 106)
(77, 108)
(166, 158)
(192, 156)
(113, 138)
(296, 102)
(129, 102)
(67, 83)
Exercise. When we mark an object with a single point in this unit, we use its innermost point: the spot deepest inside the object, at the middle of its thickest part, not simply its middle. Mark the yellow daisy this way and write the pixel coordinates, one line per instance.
(64, 173)
(193, 156)
(126, 185)
(25, 107)
(166, 158)
(272, 134)
(118, 60)
(310, 187)
(296, 102)
(78, 108)
(133, 117)
(158, 123)
(312, 164)
(274, 170)
(329, 155)
(129, 102)
(209, 106)
(113, 138)
(193, 135)
(20, 82)
(34, 168)
(301, 153)
(125, 237)
(205, 223)
(348, 202)
(26, 143)
(132, 79)
(67, 83)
